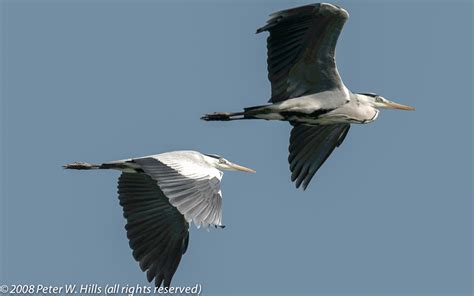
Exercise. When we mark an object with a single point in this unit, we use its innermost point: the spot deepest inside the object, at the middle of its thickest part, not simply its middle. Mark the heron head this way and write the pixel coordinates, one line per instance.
(380, 102)
(221, 163)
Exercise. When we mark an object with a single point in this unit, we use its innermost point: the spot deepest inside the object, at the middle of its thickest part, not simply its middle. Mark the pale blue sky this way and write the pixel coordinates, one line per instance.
(390, 213)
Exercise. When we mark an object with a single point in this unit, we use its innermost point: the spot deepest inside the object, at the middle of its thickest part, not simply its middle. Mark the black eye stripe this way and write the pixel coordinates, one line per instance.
(369, 94)
(214, 156)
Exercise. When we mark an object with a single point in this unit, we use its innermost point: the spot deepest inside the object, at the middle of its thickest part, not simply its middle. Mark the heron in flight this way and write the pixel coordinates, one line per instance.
(161, 195)
(306, 87)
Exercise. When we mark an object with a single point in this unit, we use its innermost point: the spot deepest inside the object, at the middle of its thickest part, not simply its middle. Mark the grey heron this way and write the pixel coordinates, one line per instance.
(306, 89)
(161, 195)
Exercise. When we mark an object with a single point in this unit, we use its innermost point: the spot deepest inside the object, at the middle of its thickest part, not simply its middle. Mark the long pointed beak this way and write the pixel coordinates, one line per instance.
(393, 105)
(241, 168)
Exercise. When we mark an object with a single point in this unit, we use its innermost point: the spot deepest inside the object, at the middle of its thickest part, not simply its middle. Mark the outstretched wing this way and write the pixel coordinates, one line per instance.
(310, 146)
(157, 231)
(193, 189)
(301, 50)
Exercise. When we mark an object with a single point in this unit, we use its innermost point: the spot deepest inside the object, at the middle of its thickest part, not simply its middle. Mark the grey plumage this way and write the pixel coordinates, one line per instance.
(196, 198)
(310, 146)
(161, 195)
(157, 232)
(301, 50)
(306, 89)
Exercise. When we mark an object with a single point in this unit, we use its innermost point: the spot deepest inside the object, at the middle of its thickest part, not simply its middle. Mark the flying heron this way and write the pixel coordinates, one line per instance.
(306, 87)
(160, 195)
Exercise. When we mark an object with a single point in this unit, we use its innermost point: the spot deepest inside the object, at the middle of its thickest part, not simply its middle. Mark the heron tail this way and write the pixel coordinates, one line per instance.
(81, 166)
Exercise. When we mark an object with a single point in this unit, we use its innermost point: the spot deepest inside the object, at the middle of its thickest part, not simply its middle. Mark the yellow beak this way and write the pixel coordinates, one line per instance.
(241, 168)
(393, 105)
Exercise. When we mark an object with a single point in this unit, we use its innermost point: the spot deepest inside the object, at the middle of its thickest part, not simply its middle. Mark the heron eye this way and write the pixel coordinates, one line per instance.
(221, 160)
(378, 99)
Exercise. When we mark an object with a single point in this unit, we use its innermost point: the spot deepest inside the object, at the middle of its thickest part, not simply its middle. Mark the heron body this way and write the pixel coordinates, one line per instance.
(306, 89)
(161, 195)
(311, 110)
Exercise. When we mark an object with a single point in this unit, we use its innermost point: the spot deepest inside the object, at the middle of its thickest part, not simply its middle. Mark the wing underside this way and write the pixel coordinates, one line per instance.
(196, 195)
(309, 148)
(301, 50)
(157, 231)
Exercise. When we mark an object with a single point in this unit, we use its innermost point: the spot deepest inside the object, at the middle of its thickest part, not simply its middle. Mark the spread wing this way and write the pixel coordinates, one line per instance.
(157, 231)
(301, 50)
(194, 190)
(159, 201)
(310, 146)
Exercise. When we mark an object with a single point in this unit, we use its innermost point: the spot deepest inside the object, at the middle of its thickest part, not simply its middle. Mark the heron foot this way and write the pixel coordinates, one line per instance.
(80, 166)
(222, 116)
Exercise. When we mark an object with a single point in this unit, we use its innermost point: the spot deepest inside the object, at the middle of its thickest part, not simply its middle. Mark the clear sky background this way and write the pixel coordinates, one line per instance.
(390, 213)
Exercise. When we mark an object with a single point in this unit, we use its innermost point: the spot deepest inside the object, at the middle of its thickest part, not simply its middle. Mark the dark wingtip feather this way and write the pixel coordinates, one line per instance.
(167, 282)
(159, 280)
